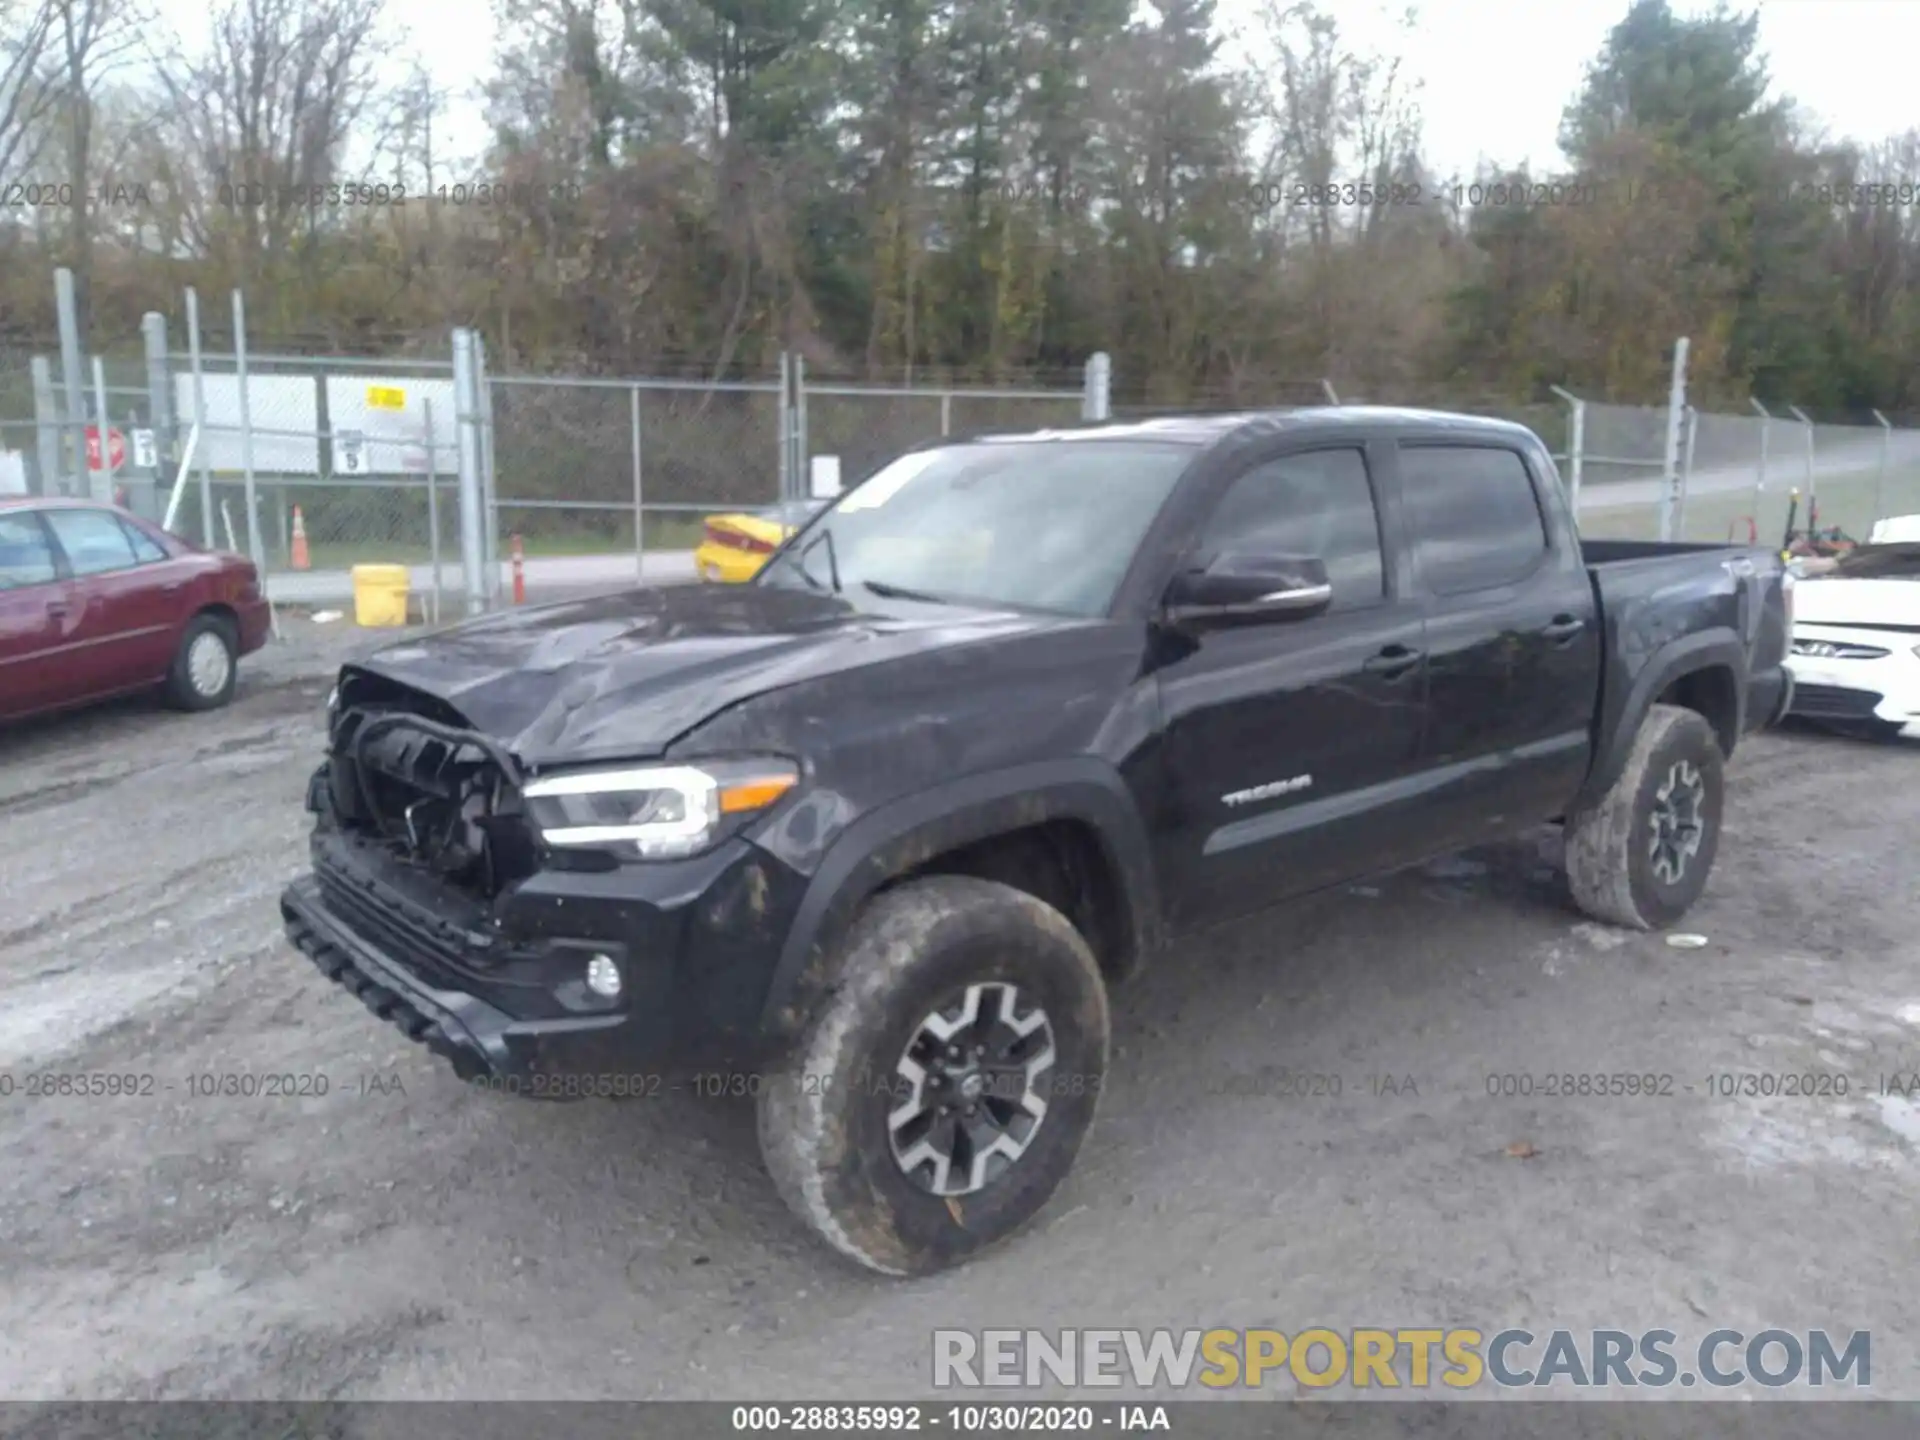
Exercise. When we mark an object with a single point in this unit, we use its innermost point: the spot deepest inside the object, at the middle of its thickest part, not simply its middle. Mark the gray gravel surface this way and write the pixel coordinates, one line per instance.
(403, 1236)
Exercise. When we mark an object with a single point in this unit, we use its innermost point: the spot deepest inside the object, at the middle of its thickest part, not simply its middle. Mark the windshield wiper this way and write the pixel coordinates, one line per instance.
(900, 592)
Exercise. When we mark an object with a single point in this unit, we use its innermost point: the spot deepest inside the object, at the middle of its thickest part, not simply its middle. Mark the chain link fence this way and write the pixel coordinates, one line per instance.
(579, 462)
(352, 460)
(1742, 478)
(866, 426)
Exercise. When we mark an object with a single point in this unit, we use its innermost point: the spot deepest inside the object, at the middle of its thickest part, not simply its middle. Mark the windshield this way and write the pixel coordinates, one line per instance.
(1038, 524)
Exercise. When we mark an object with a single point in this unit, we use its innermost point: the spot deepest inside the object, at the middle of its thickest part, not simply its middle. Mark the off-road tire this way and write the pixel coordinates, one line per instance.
(1610, 866)
(181, 689)
(823, 1113)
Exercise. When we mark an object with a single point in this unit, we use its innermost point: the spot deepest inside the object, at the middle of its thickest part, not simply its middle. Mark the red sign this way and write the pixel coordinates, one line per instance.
(116, 448)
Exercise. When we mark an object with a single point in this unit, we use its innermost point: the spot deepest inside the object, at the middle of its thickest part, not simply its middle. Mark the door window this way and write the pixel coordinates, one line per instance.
(93, 540)
(1472, 516)
(145, 548)
(26, 556)
(1316, 504)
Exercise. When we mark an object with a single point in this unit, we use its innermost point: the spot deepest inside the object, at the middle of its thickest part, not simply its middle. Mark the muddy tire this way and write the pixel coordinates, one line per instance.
(955, 992)
(205, 666)
(1640, 857)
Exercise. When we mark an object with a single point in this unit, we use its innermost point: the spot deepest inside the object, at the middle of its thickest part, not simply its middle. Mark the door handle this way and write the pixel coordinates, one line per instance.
(1563, 628)
(1393, 662)
(59, 608)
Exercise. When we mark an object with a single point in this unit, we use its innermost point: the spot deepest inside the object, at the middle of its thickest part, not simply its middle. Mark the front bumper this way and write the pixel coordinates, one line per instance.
(1886, 689)
(479, 1041)
(256, 621)
(1769, 698)
(497, 990)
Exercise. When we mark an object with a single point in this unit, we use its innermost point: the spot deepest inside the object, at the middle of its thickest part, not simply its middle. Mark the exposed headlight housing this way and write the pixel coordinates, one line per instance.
(658, 812)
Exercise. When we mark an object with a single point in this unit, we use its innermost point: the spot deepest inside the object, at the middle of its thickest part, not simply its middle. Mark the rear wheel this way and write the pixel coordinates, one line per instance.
(205, 666)
(941, 1093)
(1640, 857)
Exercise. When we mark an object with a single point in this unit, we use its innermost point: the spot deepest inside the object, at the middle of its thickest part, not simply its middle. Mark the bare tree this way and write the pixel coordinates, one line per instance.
(26, 97)
(265, 114)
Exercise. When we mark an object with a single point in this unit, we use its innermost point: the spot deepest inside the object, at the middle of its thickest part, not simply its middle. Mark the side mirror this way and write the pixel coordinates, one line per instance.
(1244, 586)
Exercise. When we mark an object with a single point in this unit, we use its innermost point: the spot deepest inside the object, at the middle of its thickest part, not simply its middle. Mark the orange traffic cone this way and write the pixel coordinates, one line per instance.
(519, 573)
(299, 557)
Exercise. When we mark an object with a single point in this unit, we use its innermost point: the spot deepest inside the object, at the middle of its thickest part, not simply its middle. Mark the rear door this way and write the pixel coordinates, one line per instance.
(1512, 636)
(130, 595)
(36, 615)
(1291, 744)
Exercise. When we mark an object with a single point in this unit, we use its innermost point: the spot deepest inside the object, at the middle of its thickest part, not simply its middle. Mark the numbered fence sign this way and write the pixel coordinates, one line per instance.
(350, 452)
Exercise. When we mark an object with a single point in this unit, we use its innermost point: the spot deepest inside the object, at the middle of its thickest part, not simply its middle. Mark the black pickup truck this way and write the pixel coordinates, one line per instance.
(870, 836)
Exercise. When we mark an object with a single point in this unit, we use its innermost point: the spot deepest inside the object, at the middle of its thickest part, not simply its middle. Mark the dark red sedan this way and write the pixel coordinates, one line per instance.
(96, 602)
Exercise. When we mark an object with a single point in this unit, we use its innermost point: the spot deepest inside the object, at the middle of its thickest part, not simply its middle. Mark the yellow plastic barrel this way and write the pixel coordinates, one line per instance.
(380, 595)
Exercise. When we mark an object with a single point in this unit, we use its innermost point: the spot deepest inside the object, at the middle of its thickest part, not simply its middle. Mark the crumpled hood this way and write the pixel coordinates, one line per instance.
(625, 674)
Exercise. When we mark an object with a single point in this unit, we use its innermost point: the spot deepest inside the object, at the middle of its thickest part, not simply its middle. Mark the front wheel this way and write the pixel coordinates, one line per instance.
(1641, 855)
(204, 666)
(940, 1094)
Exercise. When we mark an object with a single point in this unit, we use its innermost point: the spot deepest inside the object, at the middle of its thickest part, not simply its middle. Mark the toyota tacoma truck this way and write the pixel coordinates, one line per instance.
(874, 833)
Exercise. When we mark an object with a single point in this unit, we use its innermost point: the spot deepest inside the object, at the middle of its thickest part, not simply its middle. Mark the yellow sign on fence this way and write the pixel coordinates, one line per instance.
(386, 397)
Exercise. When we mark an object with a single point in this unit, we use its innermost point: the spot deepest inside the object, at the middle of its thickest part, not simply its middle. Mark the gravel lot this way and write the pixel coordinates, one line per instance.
(405, 1237)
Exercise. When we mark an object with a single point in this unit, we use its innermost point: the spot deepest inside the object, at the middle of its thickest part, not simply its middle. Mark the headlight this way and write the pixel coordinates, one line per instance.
(663, 811)
(1838, 650)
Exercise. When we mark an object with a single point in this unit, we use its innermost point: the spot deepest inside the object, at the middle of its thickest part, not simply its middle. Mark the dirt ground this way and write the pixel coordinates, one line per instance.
(403, 1236)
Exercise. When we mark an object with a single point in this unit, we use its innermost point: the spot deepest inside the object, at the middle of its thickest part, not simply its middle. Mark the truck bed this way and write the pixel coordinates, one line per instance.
(1620, 552)
(1652, 591)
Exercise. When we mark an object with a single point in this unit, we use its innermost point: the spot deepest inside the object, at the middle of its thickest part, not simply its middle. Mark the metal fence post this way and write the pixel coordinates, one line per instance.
(783, 424)
(1800, 415)
(153, 335)
(100, 482)
(433, 502)
(256, 552)
(639, 496)
(483, 395)
(46, 418)
(1097, 398)
(208, 535)
(1686, 474)
(946, 413)
(802, 480)
(1880, 480)
(1676, 417)
(472, 499)
(1760, 474)
(1576, 445)
(76, 482)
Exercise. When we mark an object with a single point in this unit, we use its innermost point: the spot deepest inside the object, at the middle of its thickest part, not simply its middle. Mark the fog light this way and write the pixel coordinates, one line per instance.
(603, 976)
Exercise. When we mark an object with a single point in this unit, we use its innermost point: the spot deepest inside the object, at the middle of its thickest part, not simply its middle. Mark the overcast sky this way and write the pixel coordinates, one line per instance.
(1494, 74)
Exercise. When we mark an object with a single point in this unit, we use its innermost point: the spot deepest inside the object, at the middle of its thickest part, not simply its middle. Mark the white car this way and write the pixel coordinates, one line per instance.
(1855, 656)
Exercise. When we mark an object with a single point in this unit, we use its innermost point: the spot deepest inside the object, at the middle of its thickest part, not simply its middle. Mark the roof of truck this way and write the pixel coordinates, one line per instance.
(1208, 429)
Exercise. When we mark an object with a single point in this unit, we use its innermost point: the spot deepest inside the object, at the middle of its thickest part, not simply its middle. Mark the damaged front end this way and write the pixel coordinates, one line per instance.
(436, 795)
(520, 951)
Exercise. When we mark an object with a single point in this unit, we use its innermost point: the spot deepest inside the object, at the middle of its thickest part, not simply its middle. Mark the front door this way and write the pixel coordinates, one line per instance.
(36, 614)
(130, 599)
(1290, 743)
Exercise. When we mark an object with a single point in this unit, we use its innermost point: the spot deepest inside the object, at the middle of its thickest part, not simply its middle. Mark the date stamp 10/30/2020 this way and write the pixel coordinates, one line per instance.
(1563, 194)
(23, 195)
